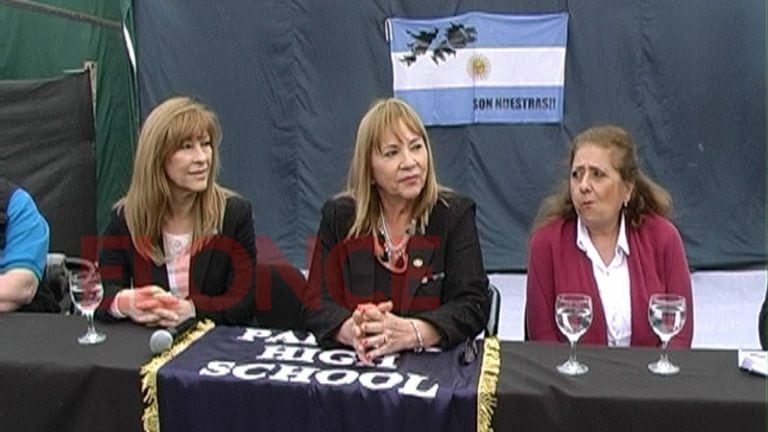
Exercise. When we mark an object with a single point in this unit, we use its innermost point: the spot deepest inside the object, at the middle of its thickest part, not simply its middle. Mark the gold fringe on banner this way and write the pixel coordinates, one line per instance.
(489, 379)
(151, 417)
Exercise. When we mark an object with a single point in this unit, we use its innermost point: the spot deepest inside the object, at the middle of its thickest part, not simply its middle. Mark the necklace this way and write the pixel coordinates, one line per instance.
(391, 251)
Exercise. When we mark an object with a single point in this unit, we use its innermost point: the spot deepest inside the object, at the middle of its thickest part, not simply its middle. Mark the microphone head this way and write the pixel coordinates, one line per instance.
(160, 341)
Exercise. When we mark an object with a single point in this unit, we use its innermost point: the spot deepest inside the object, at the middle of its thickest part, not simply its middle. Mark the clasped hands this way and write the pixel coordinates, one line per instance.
(153, 306)
(374, 331)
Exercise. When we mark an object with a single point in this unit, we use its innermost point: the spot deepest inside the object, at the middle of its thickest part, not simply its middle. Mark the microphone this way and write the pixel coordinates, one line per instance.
(162, 339)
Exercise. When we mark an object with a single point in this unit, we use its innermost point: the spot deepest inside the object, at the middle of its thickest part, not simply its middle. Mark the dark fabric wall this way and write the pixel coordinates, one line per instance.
(43, 39)
(290, 79)
(47, 146)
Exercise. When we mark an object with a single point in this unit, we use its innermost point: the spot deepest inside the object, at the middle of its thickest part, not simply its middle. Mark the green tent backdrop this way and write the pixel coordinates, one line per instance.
(44, 40)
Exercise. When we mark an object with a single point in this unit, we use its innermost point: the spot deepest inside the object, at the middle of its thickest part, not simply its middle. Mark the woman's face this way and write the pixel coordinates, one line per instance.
(189, 166)
(597, 189)
(399, 166)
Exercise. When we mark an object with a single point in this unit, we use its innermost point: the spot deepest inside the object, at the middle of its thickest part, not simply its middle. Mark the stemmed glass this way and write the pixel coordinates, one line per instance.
(666, 313)
(86, 291)
(573, 314)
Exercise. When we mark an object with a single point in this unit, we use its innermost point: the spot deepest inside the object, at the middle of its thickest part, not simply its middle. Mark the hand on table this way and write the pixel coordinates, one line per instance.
(378, 332)
(153, 306)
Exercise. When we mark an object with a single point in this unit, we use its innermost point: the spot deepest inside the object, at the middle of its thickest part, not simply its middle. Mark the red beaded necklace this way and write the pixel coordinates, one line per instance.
(393, 256)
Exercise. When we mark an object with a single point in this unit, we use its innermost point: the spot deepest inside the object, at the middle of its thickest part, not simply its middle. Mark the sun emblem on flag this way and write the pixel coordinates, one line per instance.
(478, 67)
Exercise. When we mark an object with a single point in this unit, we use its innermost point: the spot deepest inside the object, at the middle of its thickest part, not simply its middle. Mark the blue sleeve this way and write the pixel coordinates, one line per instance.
(26, 236)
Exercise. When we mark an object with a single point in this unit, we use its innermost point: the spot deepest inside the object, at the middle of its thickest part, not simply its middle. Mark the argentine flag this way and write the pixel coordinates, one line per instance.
(481, 68)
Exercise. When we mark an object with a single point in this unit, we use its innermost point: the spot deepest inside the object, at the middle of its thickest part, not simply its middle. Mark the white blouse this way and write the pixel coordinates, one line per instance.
(177, 248)
(612, 284)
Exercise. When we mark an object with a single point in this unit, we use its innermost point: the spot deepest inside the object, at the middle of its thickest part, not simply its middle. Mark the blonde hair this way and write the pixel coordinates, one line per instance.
(647, 197)
(147, 201)
(383, 115)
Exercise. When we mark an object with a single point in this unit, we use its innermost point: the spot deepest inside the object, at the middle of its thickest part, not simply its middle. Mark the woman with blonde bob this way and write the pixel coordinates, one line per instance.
(606, 233)
(397, 263)
(179, 245)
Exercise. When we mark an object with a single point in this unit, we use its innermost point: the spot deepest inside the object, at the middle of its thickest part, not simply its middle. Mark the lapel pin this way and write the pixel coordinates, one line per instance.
(418, 262)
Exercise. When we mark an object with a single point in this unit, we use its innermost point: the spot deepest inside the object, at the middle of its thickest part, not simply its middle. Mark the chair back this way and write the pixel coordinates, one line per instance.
(492, 327)
(58, 268)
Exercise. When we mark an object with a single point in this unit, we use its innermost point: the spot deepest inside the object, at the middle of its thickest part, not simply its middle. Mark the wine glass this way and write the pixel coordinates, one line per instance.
(666, 313)
(86, 291)
(573, 314)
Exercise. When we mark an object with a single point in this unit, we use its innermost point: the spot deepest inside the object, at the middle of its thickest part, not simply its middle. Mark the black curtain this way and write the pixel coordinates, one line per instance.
(47, 146)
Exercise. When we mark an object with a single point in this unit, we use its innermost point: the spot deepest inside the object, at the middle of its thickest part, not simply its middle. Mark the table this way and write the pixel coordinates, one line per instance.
(50, 383)
(618, 393)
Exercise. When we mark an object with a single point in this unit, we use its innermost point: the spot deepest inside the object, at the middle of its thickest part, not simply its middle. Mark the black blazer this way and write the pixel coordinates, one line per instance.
(222, 274)
(343, 272)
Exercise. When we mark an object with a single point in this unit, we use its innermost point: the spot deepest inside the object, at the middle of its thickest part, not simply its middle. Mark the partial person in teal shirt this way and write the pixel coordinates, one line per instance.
(24, 238)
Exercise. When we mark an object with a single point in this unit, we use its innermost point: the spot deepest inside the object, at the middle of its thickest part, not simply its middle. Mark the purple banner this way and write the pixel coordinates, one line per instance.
(246, 379)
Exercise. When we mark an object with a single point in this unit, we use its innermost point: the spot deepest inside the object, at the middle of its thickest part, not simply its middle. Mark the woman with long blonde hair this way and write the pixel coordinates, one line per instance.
(397, 264)
(179, 245)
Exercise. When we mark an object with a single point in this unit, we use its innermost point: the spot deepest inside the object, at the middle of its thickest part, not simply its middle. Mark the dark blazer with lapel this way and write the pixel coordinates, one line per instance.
(221, 274)
(447, 284)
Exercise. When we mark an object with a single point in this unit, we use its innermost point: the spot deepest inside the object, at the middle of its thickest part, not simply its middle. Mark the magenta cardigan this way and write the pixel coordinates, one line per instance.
(657, 264)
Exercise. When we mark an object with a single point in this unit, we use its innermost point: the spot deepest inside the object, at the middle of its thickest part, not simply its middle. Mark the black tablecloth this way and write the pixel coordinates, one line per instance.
(48, 382)
(619, 393)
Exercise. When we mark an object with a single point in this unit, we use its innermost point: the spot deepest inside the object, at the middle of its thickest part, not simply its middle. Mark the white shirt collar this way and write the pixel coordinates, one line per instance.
(584, 241)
